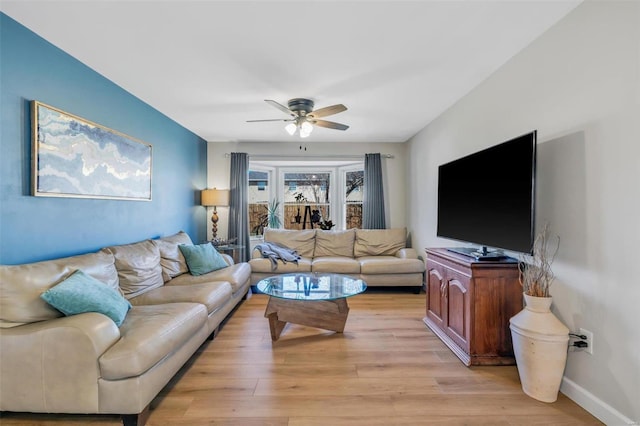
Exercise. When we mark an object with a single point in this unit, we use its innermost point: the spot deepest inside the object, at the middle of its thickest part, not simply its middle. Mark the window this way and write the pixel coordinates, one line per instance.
(353, 192)
(309, 194)
(307, 200)
(259, 196)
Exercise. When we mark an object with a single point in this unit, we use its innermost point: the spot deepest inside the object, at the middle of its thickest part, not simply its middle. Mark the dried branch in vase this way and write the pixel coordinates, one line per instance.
(536, 275)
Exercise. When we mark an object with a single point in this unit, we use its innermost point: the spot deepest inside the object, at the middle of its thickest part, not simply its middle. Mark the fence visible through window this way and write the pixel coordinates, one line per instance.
(259, 196)
(315, 199)
(307, 202)
(354, 184)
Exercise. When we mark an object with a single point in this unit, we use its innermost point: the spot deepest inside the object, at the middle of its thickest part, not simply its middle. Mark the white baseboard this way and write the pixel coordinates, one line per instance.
(594, 405)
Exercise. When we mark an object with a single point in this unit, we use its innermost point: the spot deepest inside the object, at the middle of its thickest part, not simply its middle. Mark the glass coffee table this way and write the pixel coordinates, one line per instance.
(312, 299)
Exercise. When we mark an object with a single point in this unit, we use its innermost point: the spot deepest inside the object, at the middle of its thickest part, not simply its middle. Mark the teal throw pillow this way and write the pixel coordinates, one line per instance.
(202, 258)
(81, 293)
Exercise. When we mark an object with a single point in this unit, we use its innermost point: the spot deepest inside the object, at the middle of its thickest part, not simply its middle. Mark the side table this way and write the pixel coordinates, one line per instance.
(230, 248)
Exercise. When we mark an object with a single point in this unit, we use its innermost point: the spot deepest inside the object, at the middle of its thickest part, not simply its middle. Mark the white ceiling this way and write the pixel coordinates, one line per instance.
(209, 64)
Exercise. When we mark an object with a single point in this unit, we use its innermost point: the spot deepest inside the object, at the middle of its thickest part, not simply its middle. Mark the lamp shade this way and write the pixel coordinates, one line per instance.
(214, 197)
(291, 128)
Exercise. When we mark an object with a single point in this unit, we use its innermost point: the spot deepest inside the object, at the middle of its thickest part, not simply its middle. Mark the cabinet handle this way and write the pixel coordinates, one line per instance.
(442, 287)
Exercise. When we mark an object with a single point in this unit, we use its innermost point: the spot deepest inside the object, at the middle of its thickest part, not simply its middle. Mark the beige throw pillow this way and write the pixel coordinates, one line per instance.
(138, 266)
(171, 259)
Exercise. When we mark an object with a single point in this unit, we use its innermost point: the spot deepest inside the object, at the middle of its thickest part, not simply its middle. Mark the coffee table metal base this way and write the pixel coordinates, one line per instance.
(325, 314)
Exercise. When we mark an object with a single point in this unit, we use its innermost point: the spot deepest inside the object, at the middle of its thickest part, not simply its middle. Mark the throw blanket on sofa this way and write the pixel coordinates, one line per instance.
(274, 251)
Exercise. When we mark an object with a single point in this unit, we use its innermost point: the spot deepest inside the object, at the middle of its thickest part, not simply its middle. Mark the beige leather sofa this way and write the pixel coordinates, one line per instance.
(380, 257)
(84, 363)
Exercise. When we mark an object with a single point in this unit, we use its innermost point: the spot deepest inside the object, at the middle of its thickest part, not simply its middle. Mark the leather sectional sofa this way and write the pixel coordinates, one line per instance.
(85, 363)
(380, 257)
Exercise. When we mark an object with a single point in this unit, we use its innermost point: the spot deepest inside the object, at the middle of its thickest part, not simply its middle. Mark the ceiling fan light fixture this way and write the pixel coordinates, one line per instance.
(291, 128)
(306, 127)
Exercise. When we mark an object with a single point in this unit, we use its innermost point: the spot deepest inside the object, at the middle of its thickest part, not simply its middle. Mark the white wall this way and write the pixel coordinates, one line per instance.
(579, 86)
(394, 170)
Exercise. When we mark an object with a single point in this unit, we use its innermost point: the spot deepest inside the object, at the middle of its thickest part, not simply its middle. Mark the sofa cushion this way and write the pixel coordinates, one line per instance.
(213, 295)
(149, 333)
(81, 293)
(379, 242)
(390, 265)
(22, 285)
(336, 265)
(138, 266)
(334, 243)
(202, 258)
(237, 275)
(264, 266)
(172, 261)
(301, 241)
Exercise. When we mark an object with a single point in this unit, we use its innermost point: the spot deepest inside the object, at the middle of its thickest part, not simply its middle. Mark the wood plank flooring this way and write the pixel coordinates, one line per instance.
(386, 368)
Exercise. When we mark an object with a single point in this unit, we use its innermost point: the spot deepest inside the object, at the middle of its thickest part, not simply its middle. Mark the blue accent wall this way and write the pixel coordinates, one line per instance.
(40, 228)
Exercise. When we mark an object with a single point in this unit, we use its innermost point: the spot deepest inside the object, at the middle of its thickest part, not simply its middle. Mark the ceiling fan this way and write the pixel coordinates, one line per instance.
(303, 117)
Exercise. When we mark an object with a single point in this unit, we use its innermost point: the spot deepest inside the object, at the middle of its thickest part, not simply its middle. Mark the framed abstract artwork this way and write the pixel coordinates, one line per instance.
(73, 157)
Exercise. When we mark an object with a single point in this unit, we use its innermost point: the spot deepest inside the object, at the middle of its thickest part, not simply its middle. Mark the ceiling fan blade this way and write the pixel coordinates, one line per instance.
(330, 110)
(272, 119)
(280, 107)
(330, 124)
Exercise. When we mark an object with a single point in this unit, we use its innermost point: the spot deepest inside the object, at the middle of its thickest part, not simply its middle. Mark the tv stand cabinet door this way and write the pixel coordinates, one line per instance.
(436, 305)
(457, 297)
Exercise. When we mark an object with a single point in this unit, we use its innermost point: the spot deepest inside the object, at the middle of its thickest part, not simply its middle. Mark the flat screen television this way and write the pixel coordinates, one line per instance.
(488, 198)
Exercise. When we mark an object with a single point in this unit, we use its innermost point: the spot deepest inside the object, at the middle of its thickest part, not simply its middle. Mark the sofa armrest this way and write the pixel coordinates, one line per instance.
(407, 253)
(256, 253)
(227, 258)
(52, 366)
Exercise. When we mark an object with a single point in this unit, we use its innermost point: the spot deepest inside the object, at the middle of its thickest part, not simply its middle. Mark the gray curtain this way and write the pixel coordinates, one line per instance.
(373, 200)
(239, 203)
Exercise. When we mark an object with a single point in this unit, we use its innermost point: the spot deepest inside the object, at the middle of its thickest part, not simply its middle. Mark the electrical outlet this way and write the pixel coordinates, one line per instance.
(589, 334)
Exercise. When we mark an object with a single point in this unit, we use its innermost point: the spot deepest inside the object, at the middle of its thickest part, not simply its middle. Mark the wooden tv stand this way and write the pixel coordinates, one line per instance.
(469, 304)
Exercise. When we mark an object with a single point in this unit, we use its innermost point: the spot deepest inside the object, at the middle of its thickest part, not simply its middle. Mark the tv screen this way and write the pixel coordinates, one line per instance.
(487, 198)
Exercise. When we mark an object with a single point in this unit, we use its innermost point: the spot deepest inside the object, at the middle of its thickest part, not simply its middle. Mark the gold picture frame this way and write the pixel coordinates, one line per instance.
(74, 157)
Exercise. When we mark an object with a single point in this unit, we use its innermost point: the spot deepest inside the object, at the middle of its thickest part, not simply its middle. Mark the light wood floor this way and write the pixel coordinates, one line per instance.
(386, 369)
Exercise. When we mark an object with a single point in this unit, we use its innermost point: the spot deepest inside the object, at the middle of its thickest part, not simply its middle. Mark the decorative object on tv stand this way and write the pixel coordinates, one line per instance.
(214, 198)
(540, 340)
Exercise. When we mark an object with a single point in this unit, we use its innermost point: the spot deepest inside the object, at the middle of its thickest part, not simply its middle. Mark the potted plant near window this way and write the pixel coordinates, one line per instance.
(540, 340)
(273, 214)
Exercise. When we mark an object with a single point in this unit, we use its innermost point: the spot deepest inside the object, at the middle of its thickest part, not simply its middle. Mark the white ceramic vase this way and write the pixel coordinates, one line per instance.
(540, 343)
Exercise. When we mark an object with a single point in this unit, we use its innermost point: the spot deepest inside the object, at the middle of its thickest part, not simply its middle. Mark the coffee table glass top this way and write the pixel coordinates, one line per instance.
(311, 286)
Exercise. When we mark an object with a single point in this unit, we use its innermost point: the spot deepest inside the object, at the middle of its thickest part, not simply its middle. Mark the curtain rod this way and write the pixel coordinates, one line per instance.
(314, 157)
